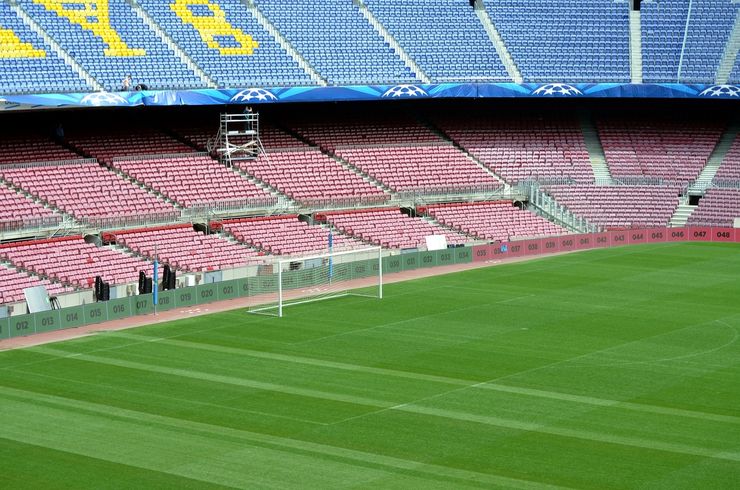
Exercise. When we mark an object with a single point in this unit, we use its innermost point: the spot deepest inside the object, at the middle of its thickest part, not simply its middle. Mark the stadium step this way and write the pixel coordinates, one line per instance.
(66, 57)
(388, 38)
(145, 187)
(715, 159)
(595, 151)
(681, 215)
(635, 46)
(284, 43)
(498, 42)
(727, 62)
(176, 49)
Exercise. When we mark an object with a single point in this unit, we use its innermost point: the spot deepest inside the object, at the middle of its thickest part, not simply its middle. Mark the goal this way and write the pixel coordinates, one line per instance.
(324, 276)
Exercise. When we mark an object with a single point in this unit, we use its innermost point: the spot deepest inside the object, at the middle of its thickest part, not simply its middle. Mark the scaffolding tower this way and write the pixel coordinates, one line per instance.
(238, 138)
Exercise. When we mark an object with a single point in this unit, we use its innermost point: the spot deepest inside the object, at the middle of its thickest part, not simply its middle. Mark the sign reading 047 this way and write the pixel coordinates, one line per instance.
(209, 20)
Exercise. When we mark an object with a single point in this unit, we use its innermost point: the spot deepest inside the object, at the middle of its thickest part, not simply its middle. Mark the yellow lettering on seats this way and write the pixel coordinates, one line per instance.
(94, 16)
(11, 46)
(209, 26)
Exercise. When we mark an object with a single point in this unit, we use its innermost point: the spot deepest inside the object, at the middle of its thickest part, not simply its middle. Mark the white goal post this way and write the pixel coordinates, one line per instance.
(324, 276)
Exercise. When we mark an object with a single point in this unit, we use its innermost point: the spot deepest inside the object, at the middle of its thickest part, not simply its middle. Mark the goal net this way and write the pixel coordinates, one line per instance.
(324, 276)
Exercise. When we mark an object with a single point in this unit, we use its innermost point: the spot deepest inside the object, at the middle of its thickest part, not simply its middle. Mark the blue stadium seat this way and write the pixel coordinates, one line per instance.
(135, 47)
(337, 41)
(34, 67)
(267, 65)
(444, 37)
(565, 40)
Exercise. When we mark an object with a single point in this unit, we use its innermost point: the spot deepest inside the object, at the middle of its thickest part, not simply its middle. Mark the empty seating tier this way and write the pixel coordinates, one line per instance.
(286, 235)
(310, 177)
(563, 40)
(110, 41)
(435, 167)
(12, 284)
(397, 130)
(28, 148)
(521, 149)
(684, 41)
(499, 220)
(74, 262)
(186, 249)
(28, 64)
(389, 228)
(718, 207)
(672, 151)
(109, 144)
(444, 37)
(730, 168)
(619, 206)
(337, 41)
(17, 211)
(194, 180)
(241, 54)
(88, 191)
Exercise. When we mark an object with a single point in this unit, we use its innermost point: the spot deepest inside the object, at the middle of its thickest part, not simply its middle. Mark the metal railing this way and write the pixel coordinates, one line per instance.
(158, 156)
(30, 223)
(51, 163)
(247, 204)
(125, 221)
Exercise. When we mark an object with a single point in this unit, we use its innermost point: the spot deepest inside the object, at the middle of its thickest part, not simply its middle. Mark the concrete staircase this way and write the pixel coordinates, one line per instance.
(58, 50)
(498, 42)
(681, 215)
(635, 47)
(388, 37)
(595, 151)
(727, 62)
(284, 43)
(165, 38)
(715, 159)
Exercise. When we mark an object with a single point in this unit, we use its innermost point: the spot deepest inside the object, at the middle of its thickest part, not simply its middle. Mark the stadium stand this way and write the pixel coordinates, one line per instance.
(420, 167)
(21, 148)
(337, 41)
(106, 144)
(444, 37)
(286, 235)
(719, 207)
(194, 180)
(721, 202)
(28, 64)
(525, 148)
(664, 23)
(73, 262)
(87, 191)
(13, 282)
(394, 130)
(730, 168)
(17, 211)
(619, 206)
(110, 41)
(227, 42)
(492, 221)
(675, 151)
(308, 176)
(389, 228)
(186, 249)
(565, 41)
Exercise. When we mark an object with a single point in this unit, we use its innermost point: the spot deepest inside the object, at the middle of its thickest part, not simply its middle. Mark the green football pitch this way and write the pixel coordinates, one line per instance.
(615, 368)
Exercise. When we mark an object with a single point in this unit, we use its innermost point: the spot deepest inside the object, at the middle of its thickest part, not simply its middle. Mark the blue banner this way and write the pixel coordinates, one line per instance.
(368, 92)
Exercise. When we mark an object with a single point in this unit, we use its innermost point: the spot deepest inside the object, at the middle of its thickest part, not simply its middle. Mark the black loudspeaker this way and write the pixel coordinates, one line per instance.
(105, 291)
(171, 283)
(147, 285)
(98, 288)
(142, 280)
(166, 278)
